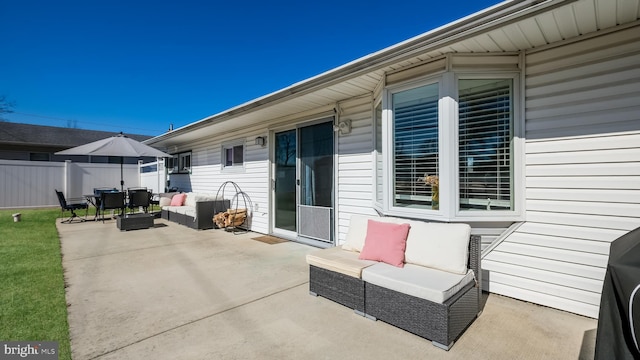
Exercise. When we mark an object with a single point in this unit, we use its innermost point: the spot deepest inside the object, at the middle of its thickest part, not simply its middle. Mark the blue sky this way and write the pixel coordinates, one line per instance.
(138, 66)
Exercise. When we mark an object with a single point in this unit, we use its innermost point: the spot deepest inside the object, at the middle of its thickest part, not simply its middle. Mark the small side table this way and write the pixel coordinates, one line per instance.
(134, 221)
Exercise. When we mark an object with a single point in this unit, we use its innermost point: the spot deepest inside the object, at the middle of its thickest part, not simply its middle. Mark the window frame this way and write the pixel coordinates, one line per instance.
(174, 163)
(448, 149)
(388, 141)
(232, 145)
(181, 159)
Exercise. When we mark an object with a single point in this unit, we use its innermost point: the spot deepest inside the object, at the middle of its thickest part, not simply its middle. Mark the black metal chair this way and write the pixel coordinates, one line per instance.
(139, 198)
(97, 197)
(111, 201)
(64, 206)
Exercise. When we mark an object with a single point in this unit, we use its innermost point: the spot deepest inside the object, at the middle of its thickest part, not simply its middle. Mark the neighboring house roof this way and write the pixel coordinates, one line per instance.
(508, 27)
(26, 135)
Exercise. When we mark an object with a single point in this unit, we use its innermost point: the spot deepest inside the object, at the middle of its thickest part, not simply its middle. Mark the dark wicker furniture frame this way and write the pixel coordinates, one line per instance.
(204, 214)
(440, 323)
(137, 221)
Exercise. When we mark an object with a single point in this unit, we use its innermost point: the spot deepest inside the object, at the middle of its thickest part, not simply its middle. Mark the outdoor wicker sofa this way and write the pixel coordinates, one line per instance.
(401, 296)
(196, 211)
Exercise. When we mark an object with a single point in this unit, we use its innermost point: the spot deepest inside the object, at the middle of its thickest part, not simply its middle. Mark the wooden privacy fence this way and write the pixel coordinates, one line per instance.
(31, 183)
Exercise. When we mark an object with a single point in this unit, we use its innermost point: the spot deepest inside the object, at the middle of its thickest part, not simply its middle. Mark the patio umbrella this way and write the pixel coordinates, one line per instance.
(119, 145)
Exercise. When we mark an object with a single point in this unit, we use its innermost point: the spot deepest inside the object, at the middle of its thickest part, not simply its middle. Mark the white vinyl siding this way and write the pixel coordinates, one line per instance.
(208, 174)
(583, 173)
(355, 165)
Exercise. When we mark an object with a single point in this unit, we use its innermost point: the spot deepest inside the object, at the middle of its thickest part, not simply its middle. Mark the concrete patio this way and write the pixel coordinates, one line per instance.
(170, 292)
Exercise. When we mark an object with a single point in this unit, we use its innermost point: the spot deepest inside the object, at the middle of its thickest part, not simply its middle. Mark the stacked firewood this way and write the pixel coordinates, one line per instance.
(231, 217)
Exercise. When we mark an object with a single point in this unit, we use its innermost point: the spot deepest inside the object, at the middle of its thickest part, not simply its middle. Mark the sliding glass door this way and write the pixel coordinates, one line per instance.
(302, 182)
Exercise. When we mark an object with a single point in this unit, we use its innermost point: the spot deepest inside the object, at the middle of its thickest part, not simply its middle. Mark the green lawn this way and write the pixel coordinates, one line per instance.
(32, 300)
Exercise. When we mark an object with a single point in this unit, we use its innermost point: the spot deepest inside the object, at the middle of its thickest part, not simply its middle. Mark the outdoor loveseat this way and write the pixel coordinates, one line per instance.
(432, 289)
(191, 209)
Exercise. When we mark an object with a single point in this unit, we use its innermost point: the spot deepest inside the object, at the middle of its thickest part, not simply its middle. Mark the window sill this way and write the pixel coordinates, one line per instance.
(437, 215)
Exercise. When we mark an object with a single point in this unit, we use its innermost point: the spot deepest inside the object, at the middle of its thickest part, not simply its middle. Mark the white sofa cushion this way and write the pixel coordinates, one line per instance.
(339, 260)
(164, 201)
(419, 281)
(190, 200)
(439, 246)
(194, 197)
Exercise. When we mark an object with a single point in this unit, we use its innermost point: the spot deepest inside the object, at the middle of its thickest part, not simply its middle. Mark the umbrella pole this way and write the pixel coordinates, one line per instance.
(121, 174)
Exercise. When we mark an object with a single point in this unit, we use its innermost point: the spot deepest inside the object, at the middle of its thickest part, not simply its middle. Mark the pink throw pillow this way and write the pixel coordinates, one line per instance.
(178, 199)
(385, 242)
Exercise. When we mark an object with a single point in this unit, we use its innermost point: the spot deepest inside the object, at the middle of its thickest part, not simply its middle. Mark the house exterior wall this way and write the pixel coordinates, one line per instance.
(208, 175)
(355, 163)
(582, 173)
(581, 163)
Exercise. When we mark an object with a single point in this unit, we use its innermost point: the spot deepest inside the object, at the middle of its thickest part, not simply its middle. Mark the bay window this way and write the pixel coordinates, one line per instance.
(449, 148)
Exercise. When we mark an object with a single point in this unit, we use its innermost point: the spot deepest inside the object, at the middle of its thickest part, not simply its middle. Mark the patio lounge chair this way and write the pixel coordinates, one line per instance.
(64, 206)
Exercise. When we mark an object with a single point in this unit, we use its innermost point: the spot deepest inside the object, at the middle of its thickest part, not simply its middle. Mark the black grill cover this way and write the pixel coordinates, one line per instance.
(618, 334)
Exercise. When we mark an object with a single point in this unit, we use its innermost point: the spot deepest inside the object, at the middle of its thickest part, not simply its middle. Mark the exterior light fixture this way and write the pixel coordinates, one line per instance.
(343, 127)
(261, 141)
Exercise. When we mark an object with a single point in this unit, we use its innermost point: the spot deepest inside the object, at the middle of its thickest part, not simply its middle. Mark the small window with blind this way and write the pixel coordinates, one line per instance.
(485, 144)
(233, 155)
(415, 145)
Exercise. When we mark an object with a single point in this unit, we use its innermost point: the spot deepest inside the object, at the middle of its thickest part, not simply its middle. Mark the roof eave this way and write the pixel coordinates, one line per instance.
(484, 20)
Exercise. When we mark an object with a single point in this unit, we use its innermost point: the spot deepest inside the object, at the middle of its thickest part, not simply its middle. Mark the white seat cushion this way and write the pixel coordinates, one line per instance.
(419, 281)
(339, 260)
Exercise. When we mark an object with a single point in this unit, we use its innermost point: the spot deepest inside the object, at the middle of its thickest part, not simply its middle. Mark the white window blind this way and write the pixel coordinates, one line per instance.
(379, 174)
(485, 134)
(415, 155)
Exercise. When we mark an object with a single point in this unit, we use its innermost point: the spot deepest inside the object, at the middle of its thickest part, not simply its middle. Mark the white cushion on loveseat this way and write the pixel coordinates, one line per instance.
(438, 245)
(419, 281)
(194, 197)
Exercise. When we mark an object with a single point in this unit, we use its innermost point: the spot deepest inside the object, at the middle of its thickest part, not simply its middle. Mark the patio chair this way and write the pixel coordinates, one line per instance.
(139, 198)
(64, 206)
(97, 196)
(111, 201)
